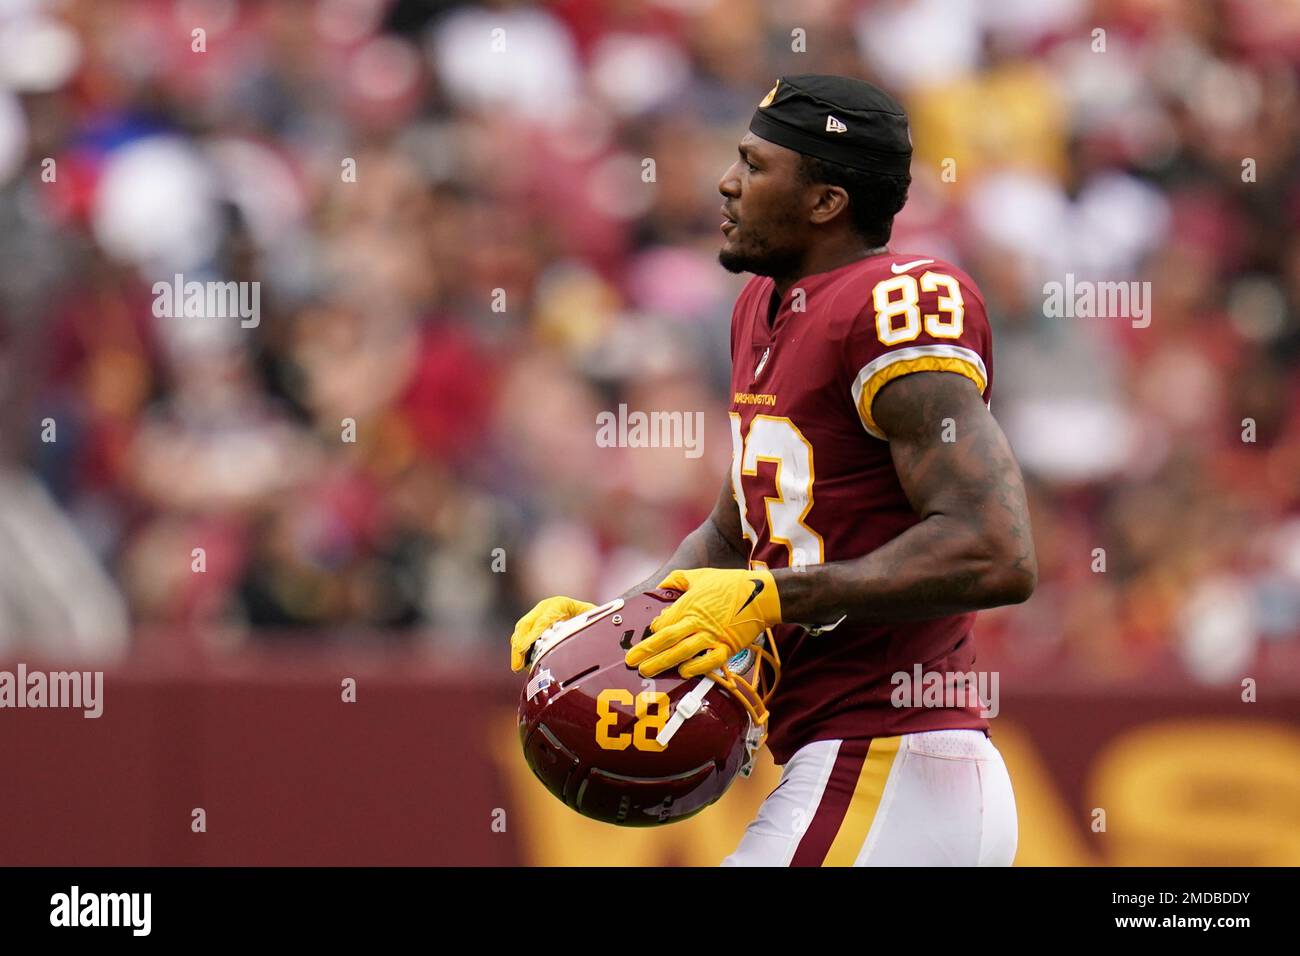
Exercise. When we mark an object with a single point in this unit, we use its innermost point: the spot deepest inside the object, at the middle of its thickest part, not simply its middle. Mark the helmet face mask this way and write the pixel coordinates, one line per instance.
(629, 750)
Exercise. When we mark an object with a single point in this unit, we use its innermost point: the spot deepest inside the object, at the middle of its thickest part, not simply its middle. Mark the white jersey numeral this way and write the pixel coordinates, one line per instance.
(776, 439)
(945, 324)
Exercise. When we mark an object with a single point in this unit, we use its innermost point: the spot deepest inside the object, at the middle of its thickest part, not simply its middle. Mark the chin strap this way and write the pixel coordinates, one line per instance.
(686, 708)
(753, 696)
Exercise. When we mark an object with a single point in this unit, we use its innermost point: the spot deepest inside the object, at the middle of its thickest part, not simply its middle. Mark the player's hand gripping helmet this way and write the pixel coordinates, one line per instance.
(633, 751)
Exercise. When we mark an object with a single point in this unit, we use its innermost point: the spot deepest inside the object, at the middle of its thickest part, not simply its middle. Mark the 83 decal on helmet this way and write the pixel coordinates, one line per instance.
(637, 752)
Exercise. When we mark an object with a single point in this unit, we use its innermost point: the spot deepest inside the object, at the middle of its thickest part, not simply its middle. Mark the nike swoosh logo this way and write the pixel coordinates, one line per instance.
(898, 268)
(758, 588)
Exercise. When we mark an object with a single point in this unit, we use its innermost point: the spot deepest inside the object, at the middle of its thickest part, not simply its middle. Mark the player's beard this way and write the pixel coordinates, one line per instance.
(757, 253)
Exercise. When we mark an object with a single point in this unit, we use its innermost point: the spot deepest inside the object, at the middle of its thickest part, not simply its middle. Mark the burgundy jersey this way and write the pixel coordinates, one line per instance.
(815, 481)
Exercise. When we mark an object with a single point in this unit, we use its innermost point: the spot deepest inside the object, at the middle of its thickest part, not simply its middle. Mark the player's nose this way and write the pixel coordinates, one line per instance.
(729, 184)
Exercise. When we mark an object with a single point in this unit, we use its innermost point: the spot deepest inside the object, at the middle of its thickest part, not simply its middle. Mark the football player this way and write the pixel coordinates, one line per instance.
(873, 504)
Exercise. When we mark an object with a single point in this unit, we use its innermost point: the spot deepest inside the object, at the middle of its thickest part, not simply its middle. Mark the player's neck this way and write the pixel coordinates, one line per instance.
(824, 260)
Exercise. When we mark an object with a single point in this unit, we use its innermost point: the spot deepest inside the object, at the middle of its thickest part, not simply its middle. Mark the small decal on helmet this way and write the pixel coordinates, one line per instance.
(543, 678)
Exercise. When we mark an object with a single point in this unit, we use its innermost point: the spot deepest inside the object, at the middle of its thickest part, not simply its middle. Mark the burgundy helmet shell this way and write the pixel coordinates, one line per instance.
(590, 725)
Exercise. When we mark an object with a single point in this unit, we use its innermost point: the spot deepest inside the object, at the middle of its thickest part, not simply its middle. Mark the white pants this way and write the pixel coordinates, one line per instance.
(940, 798)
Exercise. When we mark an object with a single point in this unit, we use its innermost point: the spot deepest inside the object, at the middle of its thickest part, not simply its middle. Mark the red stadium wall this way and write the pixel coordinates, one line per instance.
(423, 769)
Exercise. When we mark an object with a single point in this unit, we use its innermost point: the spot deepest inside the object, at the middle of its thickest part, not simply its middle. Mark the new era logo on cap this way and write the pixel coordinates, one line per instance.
(835, 126)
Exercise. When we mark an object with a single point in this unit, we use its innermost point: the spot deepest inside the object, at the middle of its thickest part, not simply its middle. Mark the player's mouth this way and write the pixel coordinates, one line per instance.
(728, 223)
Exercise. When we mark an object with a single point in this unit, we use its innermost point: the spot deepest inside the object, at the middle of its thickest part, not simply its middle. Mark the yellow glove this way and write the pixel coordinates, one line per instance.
(720, 613)
(533, 624)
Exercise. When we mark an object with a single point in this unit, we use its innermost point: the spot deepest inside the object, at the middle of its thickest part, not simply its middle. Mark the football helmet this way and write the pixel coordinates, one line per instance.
(634, 751)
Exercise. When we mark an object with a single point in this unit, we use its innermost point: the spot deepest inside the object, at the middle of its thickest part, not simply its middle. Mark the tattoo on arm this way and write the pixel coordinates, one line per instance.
(972, 548)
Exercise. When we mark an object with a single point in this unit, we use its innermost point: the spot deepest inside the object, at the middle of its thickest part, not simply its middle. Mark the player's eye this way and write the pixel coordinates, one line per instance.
(752, 167)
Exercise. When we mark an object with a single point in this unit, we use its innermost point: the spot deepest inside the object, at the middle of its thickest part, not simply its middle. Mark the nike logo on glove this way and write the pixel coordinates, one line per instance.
(758, 589)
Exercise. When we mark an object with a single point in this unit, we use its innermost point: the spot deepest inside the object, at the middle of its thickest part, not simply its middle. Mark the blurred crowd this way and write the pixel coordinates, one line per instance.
(464, 256)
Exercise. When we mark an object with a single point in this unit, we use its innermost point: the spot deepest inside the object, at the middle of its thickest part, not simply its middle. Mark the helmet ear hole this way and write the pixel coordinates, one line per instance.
(550, 761)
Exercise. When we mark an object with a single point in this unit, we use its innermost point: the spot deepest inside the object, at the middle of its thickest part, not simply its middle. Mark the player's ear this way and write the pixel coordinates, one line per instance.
(829, 202)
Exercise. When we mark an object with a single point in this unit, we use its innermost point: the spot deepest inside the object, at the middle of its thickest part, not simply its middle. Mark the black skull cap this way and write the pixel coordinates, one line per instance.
(839, 119)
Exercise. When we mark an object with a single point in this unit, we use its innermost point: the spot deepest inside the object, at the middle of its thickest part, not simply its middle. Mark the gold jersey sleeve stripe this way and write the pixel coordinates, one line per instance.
(929, 363)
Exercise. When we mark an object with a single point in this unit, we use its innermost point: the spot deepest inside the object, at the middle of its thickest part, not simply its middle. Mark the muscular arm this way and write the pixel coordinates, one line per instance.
(972, 548)
(717, 543)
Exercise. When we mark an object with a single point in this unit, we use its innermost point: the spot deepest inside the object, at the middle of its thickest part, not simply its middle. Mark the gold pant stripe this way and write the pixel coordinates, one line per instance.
(852, 833)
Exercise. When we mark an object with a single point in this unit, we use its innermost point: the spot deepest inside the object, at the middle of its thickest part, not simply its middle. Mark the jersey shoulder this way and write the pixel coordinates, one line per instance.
(901, 313)
(853, 294)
